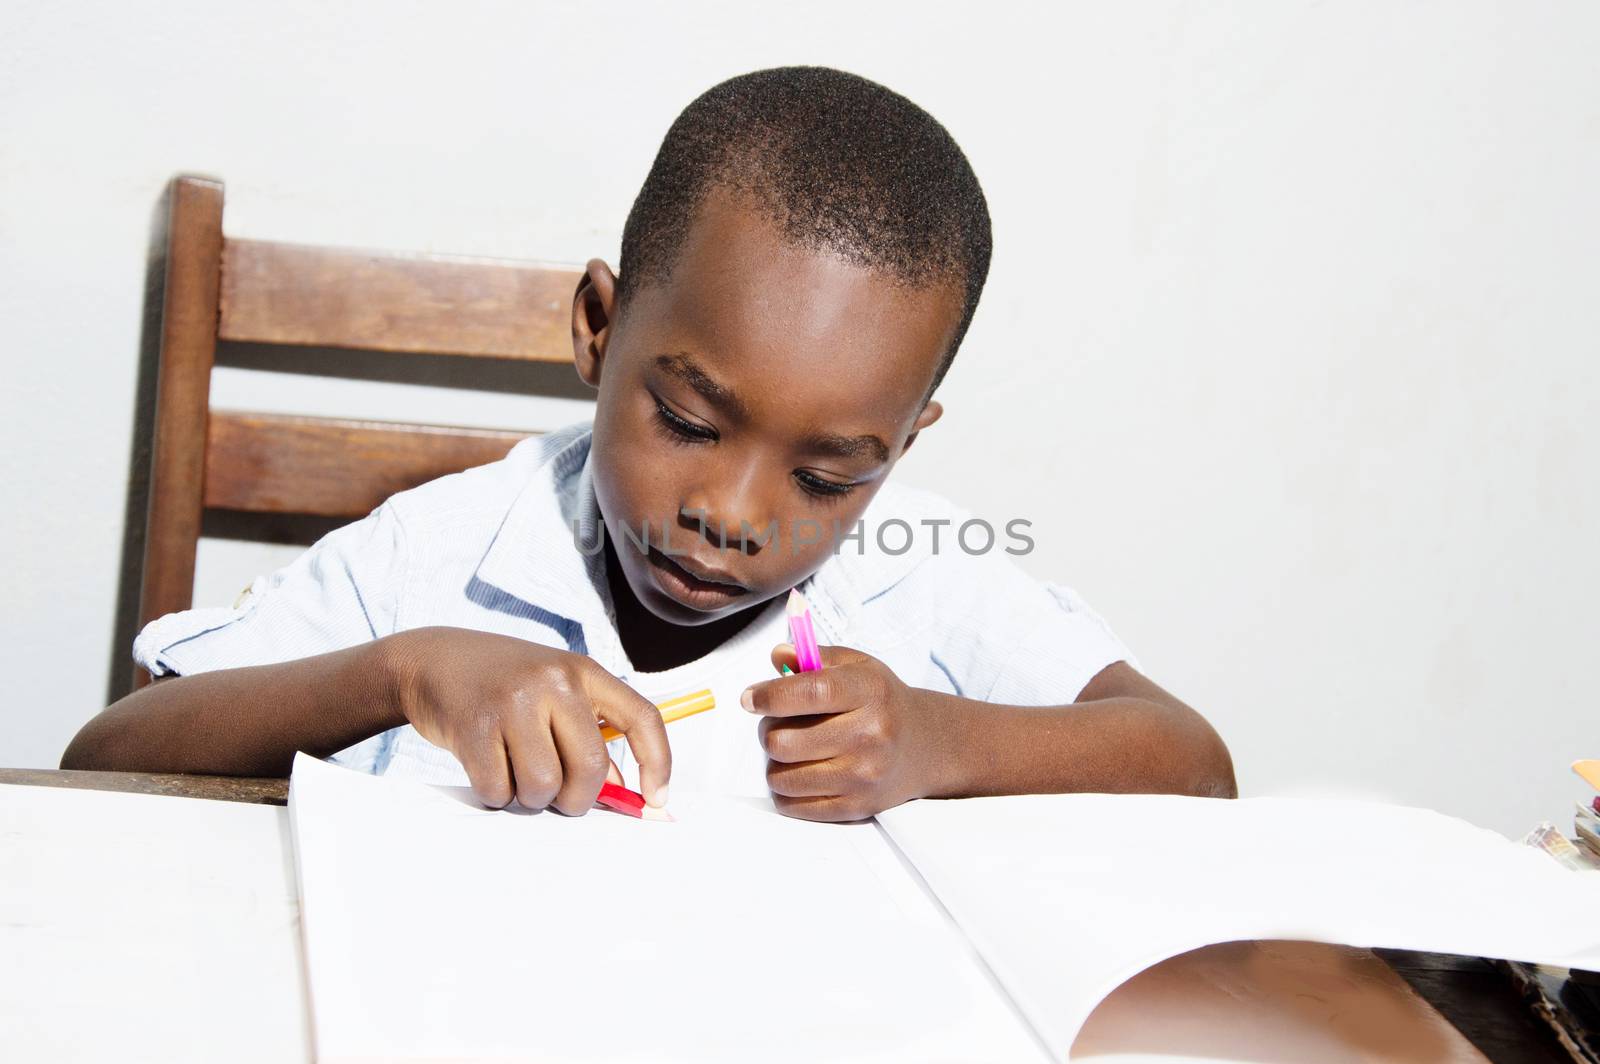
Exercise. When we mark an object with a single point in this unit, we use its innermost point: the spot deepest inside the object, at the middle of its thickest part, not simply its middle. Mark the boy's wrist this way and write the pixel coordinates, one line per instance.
(956, 759)
(388, 669)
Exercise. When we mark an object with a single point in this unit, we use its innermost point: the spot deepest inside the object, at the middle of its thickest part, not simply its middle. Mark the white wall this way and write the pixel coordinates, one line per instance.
(1289, 349)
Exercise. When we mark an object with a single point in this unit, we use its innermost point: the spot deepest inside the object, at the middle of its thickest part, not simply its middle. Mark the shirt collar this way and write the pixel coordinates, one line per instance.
(547, 553)
(548, 550)
(861, 569)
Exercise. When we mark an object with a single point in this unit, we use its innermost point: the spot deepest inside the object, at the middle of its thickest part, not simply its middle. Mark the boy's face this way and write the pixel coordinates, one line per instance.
(751, 405)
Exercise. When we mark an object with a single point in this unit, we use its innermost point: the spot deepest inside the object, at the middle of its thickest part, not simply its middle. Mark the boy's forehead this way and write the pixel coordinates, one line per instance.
(749, 299)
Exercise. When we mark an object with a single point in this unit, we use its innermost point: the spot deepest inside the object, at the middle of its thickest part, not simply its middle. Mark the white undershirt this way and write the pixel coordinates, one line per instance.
(717, 750)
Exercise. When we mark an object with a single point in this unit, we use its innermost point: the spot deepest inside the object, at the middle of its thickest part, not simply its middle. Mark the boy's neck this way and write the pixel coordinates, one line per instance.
(654, 645)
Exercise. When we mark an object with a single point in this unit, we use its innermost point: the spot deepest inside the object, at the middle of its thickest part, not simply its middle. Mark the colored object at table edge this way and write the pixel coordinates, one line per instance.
(1589, 771)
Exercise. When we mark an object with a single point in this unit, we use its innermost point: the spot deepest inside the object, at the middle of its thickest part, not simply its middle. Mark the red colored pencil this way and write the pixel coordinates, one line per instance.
(630, 803)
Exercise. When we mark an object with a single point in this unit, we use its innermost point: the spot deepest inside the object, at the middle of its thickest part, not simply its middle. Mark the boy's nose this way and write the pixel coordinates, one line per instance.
(735, 520)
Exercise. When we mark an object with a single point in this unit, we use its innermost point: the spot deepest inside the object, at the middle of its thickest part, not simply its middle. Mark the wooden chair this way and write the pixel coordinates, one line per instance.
(285, 294)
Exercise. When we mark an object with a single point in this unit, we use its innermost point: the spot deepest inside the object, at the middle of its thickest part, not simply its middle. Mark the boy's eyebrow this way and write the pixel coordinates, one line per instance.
(850, 446)
(689, 372)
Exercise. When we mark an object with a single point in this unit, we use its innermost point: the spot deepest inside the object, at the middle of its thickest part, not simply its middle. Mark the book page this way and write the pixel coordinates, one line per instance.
(436, 929)
(1068, 896)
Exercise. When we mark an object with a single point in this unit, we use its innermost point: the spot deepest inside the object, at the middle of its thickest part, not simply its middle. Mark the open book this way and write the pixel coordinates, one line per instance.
(982, 929)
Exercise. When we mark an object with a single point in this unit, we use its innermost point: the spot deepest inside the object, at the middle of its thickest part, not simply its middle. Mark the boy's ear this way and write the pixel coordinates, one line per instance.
(594, 310)
(930, 413)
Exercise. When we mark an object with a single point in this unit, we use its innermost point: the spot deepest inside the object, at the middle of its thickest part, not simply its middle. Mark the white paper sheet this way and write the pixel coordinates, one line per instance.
(436, 929)
(1067, 896)
(135, 927)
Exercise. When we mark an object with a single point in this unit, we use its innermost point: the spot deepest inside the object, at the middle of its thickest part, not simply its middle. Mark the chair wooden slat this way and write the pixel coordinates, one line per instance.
(386, 301)
(279, 463)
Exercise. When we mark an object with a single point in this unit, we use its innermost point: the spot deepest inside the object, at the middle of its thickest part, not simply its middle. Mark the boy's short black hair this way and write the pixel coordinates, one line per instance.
(839, 162)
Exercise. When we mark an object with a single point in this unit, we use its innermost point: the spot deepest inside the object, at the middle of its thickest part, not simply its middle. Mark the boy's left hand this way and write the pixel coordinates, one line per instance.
(849, 740)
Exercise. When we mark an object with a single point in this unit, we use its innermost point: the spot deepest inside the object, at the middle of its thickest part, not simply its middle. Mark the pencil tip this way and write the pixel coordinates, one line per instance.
(797, 602)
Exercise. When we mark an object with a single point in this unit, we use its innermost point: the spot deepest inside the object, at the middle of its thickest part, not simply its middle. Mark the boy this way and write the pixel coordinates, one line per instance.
(796, 275)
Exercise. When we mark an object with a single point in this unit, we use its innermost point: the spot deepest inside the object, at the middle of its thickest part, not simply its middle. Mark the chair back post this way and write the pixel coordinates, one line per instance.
(183, 389)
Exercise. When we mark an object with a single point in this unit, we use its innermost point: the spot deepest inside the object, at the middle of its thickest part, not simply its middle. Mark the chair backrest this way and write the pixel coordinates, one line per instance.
(286, 294)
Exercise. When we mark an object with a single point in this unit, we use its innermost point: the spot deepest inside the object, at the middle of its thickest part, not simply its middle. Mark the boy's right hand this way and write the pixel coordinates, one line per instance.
(524, 719)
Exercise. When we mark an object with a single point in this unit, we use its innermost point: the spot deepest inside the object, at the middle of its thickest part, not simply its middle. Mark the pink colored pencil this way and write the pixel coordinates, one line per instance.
(804, 637)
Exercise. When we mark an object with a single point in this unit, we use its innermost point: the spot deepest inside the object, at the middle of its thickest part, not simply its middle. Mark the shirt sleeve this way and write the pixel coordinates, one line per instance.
(1011, 639)
(343, 591)
(1065, 646)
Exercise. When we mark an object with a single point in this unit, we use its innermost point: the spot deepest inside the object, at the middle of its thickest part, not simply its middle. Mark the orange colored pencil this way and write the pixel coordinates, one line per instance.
(671, 710)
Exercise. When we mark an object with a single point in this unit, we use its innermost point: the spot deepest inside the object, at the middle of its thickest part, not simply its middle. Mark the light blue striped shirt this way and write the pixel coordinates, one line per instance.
(496, 549)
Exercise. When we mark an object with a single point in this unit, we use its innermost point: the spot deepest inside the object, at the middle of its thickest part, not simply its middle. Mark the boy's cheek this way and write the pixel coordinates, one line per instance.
(629, 495)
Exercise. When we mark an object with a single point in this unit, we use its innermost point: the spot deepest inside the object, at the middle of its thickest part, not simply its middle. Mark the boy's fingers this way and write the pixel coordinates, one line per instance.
(812, 738)
(809, 779)
(833, 656)
(614, 774)
(584, 760)
(783, 654)
(803, 694)
(488, 771)
(836, 688)
(640, 723)
(535, 765)
(830, 808)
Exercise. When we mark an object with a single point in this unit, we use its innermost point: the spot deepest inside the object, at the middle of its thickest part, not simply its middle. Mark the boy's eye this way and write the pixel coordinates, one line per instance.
(820, 486)
(684, 429)
(682, 426)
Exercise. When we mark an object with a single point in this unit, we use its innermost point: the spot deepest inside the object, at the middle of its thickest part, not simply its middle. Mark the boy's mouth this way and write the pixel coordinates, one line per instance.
(693, 585)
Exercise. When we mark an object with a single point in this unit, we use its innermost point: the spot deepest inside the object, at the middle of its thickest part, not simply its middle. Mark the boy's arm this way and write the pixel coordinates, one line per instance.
(247, 721)
(1125, 734)
(522, 718)
(852, 740)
